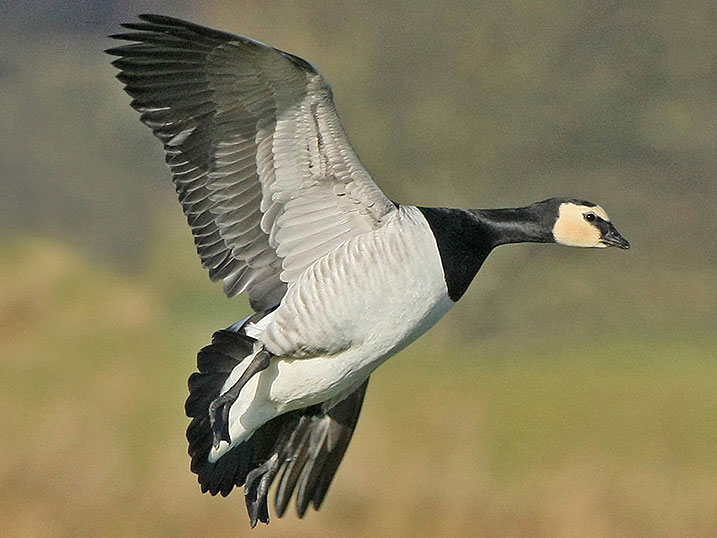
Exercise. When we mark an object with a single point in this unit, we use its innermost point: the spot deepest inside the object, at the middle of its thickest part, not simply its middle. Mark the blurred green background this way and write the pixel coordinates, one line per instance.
(571, 393)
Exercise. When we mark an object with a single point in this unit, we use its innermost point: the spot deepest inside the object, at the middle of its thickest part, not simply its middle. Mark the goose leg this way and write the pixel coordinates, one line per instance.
(219, 408)
(256, 489)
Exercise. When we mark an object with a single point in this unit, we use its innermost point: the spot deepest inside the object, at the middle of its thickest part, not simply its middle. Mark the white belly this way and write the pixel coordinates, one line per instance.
(342, 318)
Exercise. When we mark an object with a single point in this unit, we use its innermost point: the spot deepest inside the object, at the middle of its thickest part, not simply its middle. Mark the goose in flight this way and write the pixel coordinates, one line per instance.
(340, 277)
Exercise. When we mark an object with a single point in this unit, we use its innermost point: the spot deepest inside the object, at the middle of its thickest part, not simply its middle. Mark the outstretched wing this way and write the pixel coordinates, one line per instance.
(260, 161)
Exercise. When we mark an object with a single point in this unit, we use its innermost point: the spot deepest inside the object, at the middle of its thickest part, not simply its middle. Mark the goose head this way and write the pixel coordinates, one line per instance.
(566, 221)
(584, 224)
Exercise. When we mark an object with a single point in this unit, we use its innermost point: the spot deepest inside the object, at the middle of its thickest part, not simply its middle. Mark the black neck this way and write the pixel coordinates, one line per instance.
(515, 225)
(466, 237)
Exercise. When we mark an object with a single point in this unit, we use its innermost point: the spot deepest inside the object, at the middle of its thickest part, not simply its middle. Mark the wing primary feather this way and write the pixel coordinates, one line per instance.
(344, 416)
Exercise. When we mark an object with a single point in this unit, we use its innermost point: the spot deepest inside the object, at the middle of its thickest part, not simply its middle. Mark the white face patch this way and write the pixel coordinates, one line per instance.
(572, 229)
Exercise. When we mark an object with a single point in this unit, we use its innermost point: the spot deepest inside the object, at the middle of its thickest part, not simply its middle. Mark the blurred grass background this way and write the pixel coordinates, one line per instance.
(569, 394)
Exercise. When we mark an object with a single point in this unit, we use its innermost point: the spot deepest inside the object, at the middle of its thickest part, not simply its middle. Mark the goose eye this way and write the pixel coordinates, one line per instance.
(590, 217)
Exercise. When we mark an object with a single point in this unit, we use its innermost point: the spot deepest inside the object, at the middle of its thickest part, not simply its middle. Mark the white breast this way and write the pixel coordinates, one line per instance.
(343, 317)
(377, 288)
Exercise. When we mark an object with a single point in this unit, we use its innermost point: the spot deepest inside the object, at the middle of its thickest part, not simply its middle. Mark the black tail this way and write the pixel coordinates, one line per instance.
(308, 443)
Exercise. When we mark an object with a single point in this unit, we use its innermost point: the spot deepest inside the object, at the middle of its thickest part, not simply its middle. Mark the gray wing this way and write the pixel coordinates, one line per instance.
(260, 161)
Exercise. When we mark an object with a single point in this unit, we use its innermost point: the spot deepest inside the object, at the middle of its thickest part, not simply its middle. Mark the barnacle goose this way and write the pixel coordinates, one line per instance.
(340, 277)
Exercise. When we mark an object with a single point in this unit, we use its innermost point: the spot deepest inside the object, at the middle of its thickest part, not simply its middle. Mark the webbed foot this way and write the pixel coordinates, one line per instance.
(256, 490)
(220, 406)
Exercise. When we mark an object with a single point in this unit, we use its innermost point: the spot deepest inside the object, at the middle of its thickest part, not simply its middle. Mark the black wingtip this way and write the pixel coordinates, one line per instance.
(154, 18)
(115, 51)
(150, 22)
(164, 23)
